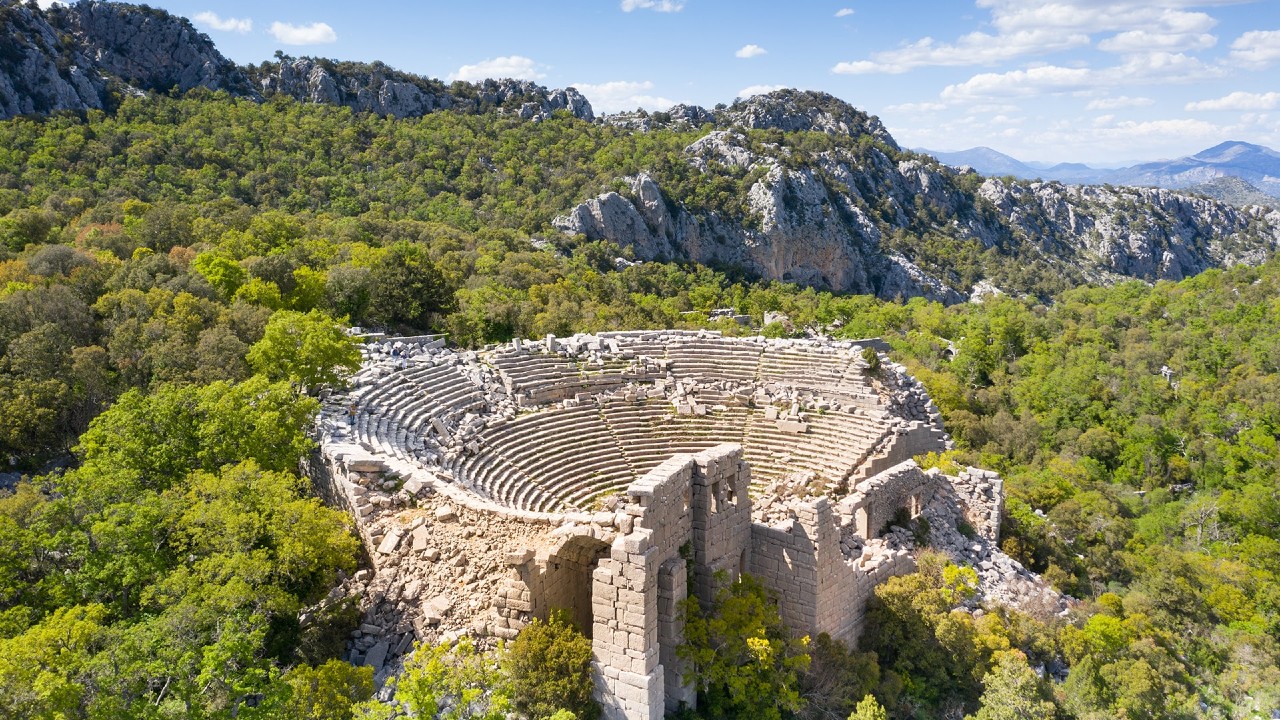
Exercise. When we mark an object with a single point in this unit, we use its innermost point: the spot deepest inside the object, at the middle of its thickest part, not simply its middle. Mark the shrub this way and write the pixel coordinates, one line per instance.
(547, 668)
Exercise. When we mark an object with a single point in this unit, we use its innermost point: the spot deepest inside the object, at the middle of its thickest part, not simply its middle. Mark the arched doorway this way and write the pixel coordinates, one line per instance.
(567, 581)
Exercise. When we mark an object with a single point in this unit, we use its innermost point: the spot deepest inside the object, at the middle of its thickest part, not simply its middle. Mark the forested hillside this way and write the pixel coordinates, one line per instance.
(154, 259)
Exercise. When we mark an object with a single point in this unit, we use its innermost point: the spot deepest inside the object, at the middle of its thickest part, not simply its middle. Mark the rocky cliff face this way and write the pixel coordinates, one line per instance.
(74, 57)
(376, 88)
(148, 49)
(41, 70)
(69, 57)
(826, 219)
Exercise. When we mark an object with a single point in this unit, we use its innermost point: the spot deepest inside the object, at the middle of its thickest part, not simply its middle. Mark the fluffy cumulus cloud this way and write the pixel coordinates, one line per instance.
(750, 51)
(751, 90)
(665, 6)
(211, 19)
(844, 12)
(623, 95)
(1246, 101)
(1030, 28)
(1256, 49)
(976, 48)
(1149, 68)
(506, 66)
(317, 33)
(1021, 83)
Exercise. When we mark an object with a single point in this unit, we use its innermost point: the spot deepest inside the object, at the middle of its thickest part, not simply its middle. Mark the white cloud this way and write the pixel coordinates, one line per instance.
(46, 4)
(1256, 49)
(1133, 41)
(1021, 83)
(623, 95)
(1239, 101)
(239, 25)
(750, 90)
(844, 12)
(1092, 16)
(314, 34)
(750, 51)
(1115, 103)
(507, 66)
(1181, 128)
(976, 48)
(664, 6)
(1040, 27)
(916, 107)
(1150, 68)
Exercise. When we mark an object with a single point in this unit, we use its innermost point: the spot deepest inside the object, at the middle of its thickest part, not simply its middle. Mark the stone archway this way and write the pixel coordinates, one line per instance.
(567, 579)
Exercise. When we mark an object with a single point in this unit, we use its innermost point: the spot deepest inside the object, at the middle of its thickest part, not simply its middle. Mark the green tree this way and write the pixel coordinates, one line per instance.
(309, 349)
(1013, 691)
(329, 691)
(548, 668)
(453, 682)
(740, 655)
(870, 709)
(407, 288)
(224, 274)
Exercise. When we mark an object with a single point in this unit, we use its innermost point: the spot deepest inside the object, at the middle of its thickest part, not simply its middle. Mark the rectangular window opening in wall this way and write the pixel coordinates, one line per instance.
(715, 497)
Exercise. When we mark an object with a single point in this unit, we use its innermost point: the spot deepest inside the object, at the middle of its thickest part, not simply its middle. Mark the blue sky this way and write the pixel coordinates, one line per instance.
(1098, 81)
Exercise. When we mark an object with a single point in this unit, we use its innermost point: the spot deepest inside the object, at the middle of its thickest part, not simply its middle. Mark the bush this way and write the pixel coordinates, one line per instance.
(548, 669)
(741, 657)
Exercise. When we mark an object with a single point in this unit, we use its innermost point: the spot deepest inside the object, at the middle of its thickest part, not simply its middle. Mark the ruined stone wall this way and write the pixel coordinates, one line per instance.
(721, 538)
(784, 559)
(820, 588)
(877, 499)
(690, 506)
(629, 675)
(981, 495)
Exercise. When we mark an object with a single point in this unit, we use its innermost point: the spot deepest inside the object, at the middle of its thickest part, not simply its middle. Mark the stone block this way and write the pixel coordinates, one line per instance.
(377, 655)
(792, 426)
(420, 537)
(446, 513)
(390, 542)
(366, 465)
(519, 557)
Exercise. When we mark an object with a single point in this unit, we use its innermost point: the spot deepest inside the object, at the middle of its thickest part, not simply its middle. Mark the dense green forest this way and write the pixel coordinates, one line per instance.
(161, 552)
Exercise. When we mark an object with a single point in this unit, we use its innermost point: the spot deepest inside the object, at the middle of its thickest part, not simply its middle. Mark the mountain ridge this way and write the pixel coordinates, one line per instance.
(791, 185)
(1255, 164)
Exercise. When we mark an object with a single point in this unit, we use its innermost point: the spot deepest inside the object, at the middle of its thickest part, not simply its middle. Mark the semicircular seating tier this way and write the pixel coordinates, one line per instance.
(558, 424)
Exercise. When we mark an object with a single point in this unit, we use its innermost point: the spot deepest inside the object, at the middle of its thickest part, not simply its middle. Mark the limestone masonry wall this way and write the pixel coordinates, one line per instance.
(613, 476)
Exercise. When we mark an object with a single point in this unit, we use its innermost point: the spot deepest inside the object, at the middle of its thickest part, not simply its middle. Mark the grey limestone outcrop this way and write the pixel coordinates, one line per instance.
(66, 58)
(75, 57)
(832, 222)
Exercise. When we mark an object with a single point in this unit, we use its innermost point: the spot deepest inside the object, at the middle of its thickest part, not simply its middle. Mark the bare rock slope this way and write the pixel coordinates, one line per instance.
(837, 216)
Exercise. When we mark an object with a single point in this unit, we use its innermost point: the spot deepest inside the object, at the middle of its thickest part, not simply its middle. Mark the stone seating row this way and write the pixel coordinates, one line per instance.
(563, 459)
(713, 359)
(554, 451)
(832, 447)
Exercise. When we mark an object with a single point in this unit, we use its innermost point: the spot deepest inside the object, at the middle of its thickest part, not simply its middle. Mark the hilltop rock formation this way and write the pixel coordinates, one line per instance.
(832, 219)
(69, 57)
(376, 88)
(800, 110)
(83, 56)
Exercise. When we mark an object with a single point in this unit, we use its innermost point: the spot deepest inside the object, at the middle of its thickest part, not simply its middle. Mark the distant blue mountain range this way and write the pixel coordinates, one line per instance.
(1255, 164)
